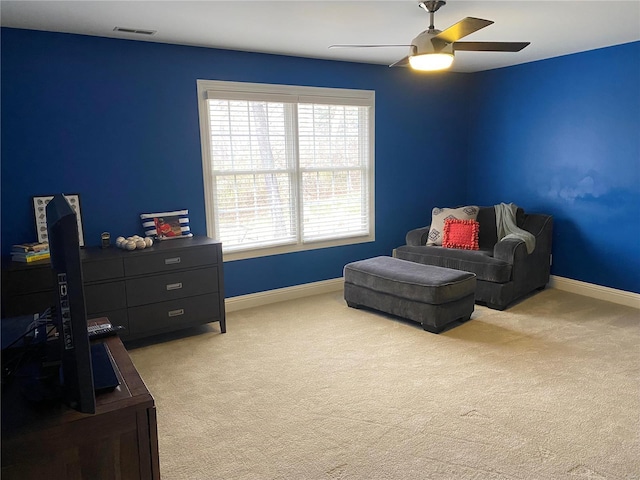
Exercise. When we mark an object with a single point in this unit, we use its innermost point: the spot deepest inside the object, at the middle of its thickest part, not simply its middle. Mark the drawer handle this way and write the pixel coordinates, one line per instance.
(176, 313)
(171, 261)
(174, 286)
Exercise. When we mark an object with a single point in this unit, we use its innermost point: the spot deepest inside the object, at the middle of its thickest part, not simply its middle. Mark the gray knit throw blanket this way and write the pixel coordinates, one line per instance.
(507, 228)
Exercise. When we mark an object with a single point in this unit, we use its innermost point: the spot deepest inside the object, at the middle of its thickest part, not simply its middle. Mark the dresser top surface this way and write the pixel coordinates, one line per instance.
(98, 253)
(112, 252)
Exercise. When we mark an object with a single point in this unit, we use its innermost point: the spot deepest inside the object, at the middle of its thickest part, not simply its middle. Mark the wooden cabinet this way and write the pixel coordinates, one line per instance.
(172, 285)
(119, 441)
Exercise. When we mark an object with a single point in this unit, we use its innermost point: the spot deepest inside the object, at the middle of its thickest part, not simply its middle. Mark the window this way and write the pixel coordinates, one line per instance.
(286, 168)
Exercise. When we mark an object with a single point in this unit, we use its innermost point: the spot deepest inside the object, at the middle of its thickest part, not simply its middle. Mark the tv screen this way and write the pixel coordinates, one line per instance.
(76, 377)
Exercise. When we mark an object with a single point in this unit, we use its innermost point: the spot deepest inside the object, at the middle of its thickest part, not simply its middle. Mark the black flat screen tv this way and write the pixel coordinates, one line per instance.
(76, 376)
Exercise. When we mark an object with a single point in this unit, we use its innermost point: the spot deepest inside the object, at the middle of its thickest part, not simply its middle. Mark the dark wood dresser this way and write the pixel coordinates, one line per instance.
(172, 285)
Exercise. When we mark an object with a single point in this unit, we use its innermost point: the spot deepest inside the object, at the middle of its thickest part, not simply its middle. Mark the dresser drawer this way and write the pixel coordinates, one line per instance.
(174, 314)
(105, 296)
(170, 260)
(159, 288)
(18, 305)
(102, 270)
(23, 279)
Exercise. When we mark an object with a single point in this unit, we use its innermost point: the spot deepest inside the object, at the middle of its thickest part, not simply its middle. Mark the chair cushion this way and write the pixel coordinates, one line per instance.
(481, 262)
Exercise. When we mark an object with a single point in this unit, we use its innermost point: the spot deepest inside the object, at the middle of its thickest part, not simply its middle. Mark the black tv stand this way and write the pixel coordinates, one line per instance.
(39, 384)
(37, 365)
(51, 441)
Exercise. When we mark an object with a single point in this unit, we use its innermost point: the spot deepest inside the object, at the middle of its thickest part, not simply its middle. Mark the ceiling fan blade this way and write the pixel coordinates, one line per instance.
(464, 27)
(490, 46)
(368, 46)
(401, 63)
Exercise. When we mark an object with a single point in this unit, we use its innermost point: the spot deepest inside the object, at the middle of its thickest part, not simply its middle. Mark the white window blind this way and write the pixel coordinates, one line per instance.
(333, 154)
(285, 174)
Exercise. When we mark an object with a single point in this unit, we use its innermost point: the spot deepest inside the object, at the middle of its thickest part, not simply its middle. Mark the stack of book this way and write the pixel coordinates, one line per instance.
(30, 252)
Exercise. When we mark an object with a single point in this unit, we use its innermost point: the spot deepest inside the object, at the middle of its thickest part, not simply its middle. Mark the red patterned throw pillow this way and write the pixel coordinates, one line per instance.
(461, 234)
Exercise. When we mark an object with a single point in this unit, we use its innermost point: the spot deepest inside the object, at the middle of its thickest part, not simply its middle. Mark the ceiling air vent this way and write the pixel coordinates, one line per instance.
(138, 31)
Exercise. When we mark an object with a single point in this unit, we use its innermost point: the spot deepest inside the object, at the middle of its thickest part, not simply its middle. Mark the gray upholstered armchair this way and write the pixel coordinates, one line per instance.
(505, 271)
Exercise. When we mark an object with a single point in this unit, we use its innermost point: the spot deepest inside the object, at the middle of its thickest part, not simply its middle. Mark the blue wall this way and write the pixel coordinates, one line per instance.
(117, 122)
(563, 136)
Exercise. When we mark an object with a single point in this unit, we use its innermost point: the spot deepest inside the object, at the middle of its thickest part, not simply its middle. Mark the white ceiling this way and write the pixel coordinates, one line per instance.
(307, 28)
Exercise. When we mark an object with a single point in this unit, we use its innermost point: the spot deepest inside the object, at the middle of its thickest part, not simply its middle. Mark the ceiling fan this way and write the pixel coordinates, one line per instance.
(434, 49)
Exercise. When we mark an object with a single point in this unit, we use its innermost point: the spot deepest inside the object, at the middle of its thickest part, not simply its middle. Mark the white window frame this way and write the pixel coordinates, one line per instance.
(296, 94)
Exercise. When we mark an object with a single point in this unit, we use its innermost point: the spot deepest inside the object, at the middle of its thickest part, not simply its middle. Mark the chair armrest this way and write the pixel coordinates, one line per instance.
(540, 226)
(506, 249)
(418, 236)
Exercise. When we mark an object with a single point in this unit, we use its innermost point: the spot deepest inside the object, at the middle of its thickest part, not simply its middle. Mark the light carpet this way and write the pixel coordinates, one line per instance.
(313, 389)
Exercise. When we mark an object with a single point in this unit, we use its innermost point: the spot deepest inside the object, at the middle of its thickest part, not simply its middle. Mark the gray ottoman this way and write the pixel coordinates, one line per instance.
(432, 296)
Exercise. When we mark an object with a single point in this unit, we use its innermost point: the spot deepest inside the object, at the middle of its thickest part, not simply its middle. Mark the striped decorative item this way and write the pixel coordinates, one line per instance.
(166, 225)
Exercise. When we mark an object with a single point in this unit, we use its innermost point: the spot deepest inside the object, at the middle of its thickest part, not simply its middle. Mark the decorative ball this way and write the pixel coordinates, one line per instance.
(134, 242)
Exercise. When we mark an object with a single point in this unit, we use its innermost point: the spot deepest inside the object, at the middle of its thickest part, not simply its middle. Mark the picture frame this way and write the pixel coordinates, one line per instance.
(40, 215)
(166, 225)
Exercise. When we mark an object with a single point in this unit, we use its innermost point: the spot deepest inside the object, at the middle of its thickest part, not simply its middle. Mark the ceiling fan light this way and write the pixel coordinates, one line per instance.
(431, 61)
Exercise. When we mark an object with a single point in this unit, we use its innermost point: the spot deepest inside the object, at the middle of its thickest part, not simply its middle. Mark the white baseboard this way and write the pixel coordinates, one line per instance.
(613, 295)
(281, 294)
(591, 290)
